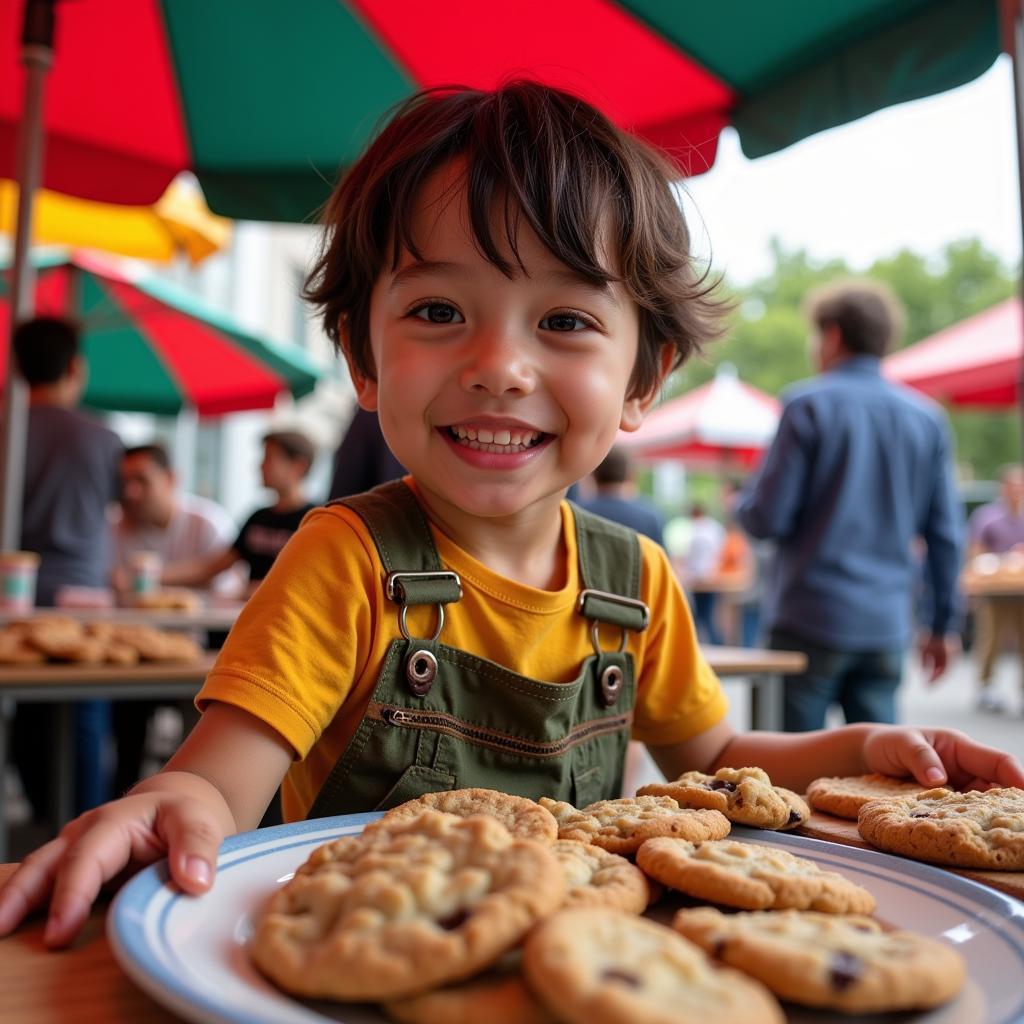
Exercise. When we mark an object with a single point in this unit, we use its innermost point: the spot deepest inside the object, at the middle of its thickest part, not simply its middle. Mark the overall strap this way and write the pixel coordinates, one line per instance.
(405, 545)
(610, 560)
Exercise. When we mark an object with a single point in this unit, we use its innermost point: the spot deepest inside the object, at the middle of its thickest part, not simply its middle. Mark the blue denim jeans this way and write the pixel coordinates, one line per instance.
(862, 683)
(704, 617)
(92, 732)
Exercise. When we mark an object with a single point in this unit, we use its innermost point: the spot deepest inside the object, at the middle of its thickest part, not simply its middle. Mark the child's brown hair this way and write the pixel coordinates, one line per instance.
(541, 155)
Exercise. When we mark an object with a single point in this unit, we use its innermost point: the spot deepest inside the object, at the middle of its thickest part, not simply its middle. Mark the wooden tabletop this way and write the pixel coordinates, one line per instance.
(743, 661)
(71, 674)
(216, 617)
(81, 984)
(993, 585)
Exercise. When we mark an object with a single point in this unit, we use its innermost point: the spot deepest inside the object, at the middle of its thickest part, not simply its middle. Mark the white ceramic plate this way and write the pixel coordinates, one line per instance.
(189, 953)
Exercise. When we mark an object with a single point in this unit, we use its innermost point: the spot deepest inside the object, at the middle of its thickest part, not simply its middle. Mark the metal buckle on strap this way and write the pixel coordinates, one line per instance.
(394, 590)
(625, 602)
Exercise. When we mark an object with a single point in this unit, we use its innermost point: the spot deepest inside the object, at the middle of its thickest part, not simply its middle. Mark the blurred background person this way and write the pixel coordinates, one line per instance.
(740, 570)
(699, 571)
(155, 515)
(287, 459)
(998, 528)
(858, 468)
(616, 496)
(71, 465)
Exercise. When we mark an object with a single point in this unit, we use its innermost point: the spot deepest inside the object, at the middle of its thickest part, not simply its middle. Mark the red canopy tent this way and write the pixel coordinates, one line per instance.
(975, 363)
(722, 423)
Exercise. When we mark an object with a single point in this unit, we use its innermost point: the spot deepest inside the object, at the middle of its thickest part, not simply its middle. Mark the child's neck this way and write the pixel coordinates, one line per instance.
(526, 548)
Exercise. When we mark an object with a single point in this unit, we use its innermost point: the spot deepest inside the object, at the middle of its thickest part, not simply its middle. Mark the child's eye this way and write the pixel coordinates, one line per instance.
(437, 313)
(566, 322)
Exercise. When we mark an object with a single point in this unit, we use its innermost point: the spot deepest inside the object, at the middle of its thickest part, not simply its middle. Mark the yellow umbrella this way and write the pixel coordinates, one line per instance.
(178, 221)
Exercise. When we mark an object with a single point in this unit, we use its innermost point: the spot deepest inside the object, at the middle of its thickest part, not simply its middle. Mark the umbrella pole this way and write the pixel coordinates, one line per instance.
(36, 55)
(1018, 82)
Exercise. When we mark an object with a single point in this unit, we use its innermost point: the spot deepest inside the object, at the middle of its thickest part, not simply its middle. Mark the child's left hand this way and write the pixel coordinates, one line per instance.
(939, 757)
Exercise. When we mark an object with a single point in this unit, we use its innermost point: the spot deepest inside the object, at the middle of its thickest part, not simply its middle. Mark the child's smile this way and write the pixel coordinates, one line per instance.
(501, 444)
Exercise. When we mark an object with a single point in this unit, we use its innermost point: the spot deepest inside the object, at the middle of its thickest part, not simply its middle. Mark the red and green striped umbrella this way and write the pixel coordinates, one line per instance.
(153, 347)
(264, 99)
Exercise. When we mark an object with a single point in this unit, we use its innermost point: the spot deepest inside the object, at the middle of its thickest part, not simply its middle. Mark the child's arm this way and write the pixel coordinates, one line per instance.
(932, 756)
(219, 782)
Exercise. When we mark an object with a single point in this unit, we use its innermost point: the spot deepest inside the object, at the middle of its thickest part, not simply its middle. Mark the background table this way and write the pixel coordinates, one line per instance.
(214, 617)
(764, 670)
(62, 684)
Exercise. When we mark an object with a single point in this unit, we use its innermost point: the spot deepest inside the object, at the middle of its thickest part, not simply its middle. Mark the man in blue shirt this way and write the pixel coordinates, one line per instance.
(858, 469)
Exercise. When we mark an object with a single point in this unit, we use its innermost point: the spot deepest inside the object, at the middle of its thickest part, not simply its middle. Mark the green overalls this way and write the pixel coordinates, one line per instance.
(440, 718)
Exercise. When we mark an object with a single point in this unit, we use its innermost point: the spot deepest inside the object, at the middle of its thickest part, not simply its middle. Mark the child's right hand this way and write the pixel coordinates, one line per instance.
(101, 844)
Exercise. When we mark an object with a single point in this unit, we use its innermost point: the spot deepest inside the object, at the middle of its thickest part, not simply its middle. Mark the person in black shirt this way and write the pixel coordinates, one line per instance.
(287, 458)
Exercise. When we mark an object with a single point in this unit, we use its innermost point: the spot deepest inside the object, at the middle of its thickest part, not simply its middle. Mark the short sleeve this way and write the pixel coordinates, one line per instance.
(296, 648)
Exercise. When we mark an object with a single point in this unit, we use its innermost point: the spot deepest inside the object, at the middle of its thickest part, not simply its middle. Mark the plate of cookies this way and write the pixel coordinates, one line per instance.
(689, 904)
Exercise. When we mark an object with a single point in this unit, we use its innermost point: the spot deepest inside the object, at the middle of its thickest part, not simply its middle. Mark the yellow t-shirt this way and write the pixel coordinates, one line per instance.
(306, 651)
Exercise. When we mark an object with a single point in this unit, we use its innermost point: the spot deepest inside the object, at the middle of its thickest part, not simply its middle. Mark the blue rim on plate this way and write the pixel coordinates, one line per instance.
(137, 925)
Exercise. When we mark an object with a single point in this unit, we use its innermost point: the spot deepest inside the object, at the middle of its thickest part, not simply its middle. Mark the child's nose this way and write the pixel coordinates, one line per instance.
(498, 363)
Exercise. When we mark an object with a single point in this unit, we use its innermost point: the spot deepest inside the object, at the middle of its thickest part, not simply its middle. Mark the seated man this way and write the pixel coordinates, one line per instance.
(157, 516)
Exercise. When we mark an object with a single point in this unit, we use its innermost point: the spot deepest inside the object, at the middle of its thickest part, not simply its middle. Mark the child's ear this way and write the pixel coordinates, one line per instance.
(635, 408)
(365, 386)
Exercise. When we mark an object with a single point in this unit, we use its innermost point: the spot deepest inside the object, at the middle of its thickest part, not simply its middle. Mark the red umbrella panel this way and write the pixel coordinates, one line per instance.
(723, 422)
(974, 363)
(265, 100)
(153, 347)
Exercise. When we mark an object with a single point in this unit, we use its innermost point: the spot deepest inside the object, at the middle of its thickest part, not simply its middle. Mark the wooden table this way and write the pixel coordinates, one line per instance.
(994, 585)
(213, 617)
(81, 984)
(765, 670)
(840, 830)
(63, 684)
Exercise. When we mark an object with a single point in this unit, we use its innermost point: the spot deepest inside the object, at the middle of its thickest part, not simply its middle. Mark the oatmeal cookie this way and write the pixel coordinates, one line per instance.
(498, 996)
(594, 966)
(966, 830)
(522, 817)
(824, 960)
(745, 796)
(750, 877)
(597, 878)
(799, 812)
(845, 796)
(405, 907)
(620, 826)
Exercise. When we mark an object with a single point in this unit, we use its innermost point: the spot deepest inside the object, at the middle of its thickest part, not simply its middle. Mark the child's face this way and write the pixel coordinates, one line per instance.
(496, 394)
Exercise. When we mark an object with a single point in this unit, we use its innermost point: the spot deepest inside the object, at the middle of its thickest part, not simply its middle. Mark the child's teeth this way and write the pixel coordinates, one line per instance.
(484, 436)
(502, 437)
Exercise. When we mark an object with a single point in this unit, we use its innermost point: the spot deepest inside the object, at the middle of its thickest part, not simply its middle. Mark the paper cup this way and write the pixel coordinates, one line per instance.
(18, 571)
(145, 568)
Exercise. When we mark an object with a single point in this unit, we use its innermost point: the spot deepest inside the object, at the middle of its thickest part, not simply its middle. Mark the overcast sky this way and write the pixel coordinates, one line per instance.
(918, 175)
